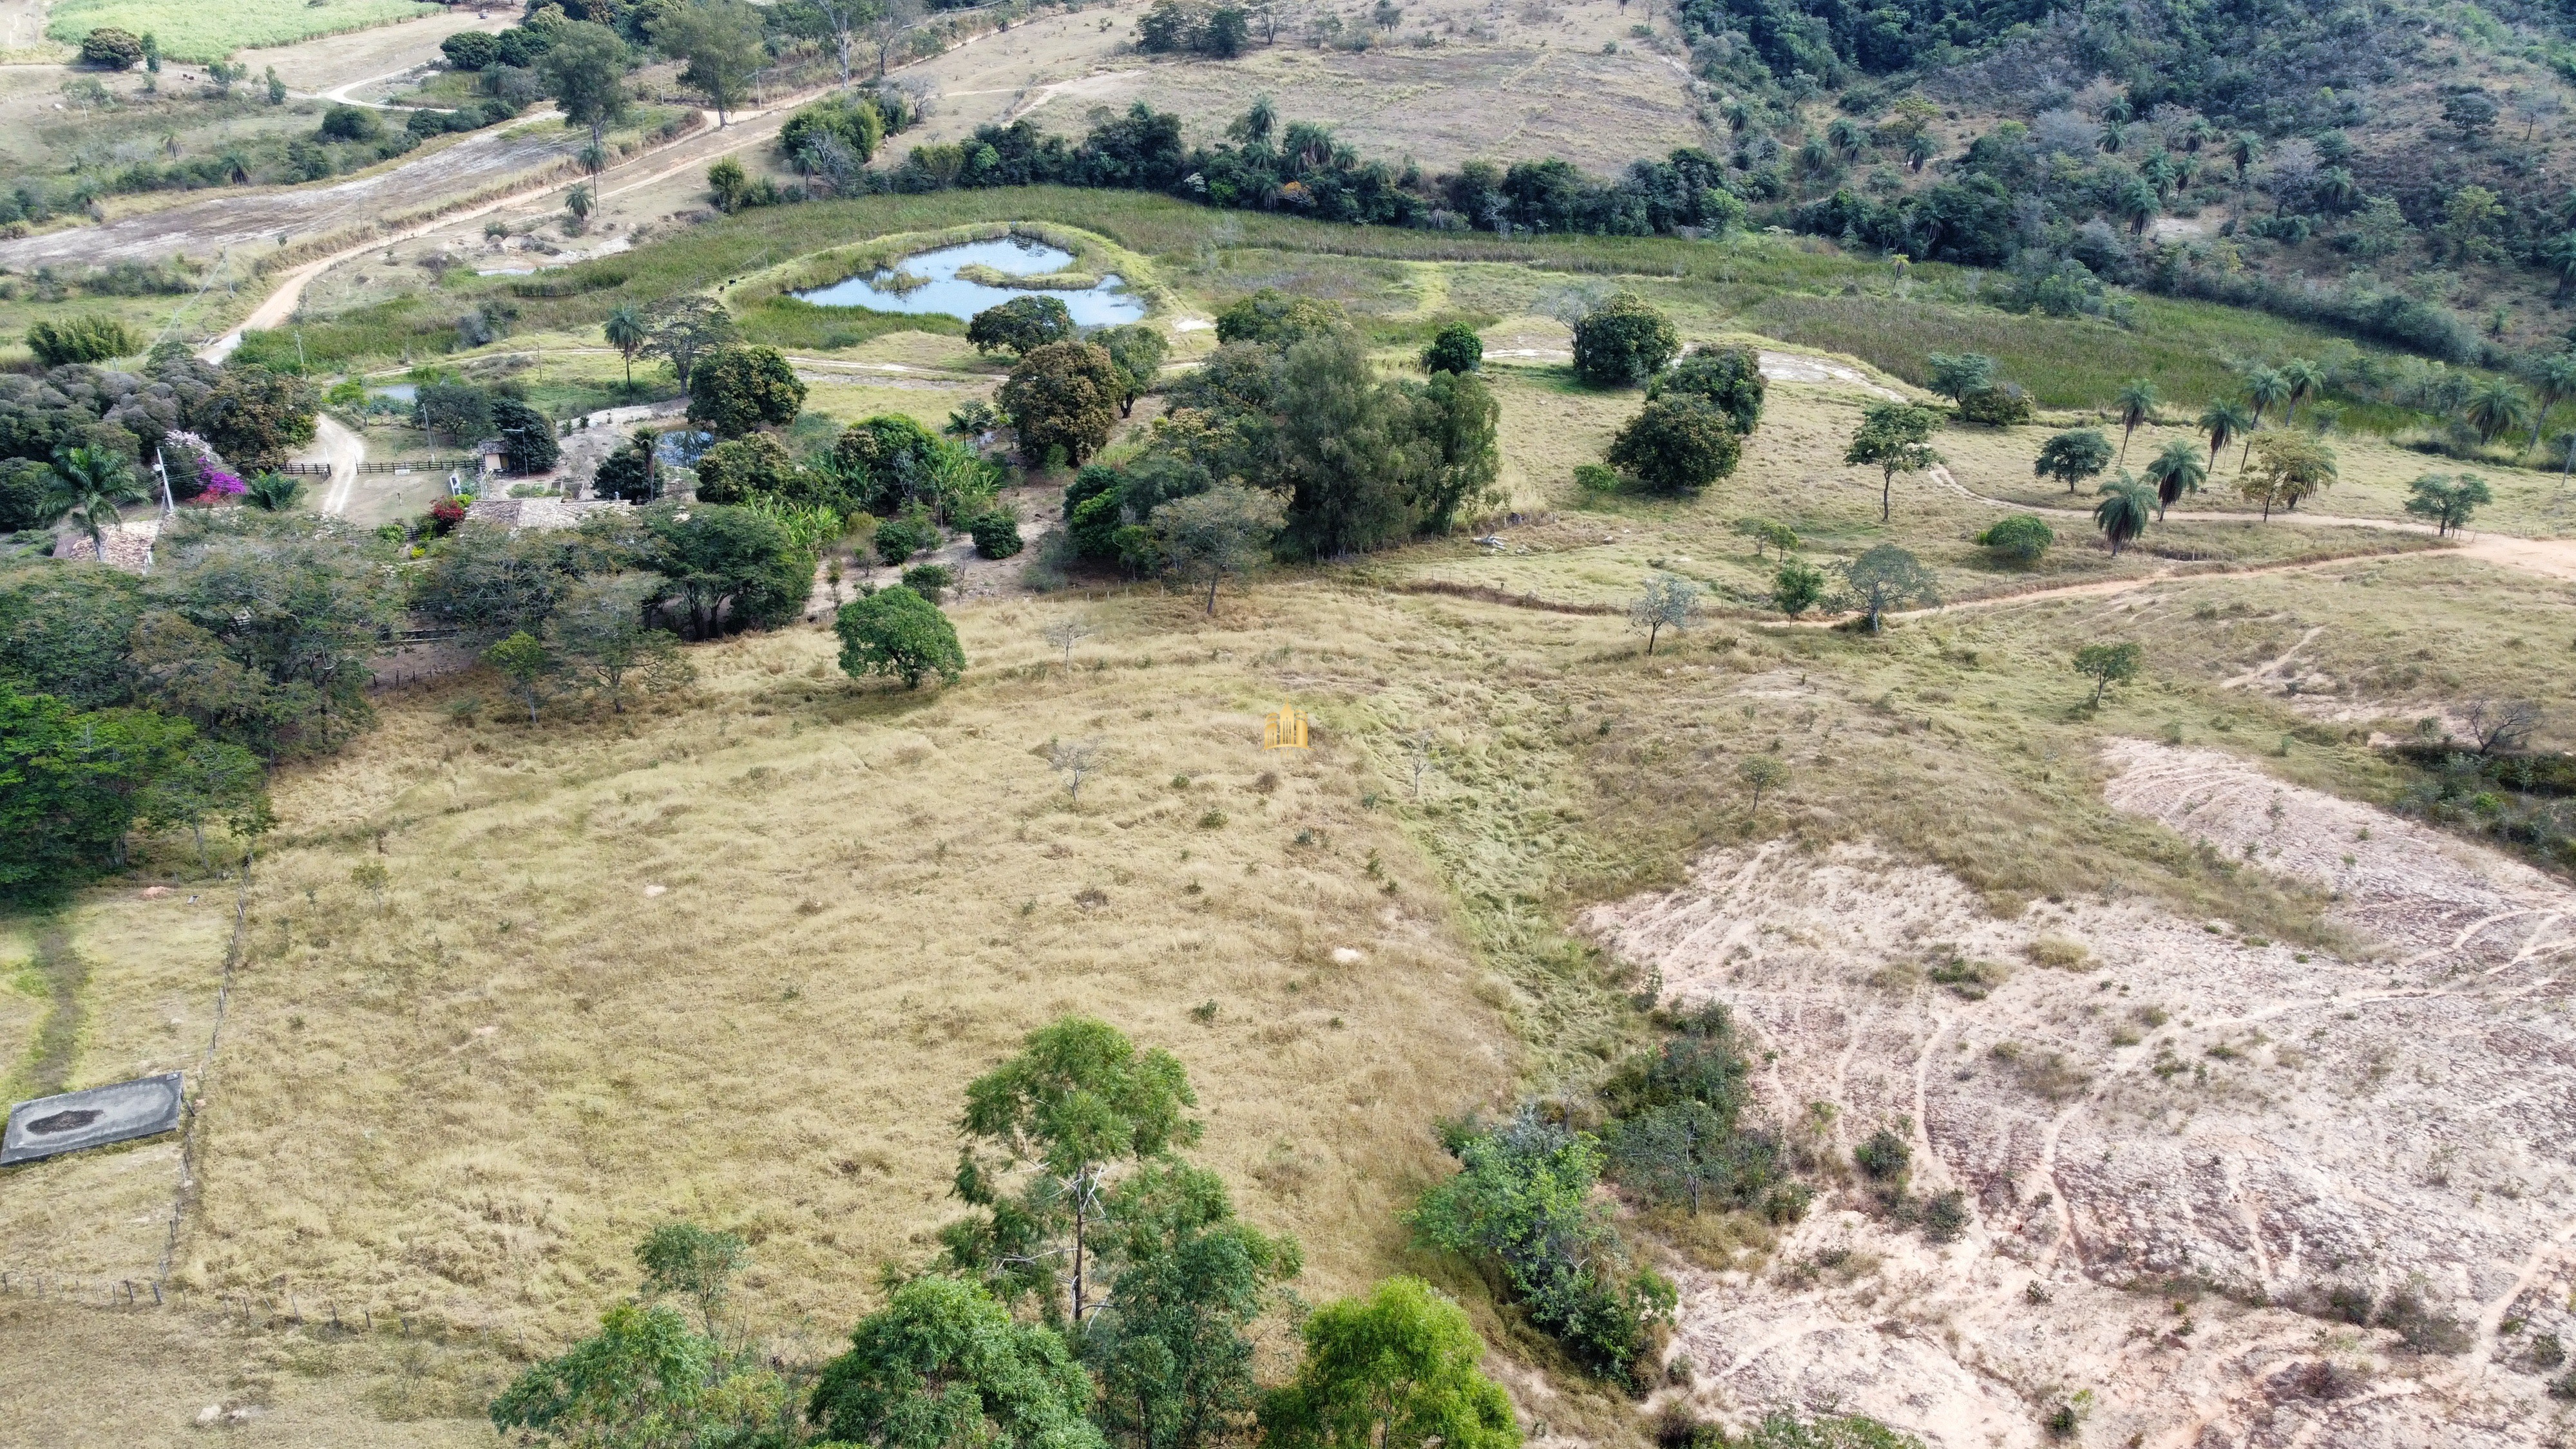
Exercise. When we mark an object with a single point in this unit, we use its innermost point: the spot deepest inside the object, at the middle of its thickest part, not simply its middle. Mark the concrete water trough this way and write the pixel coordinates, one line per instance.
(95, 1117)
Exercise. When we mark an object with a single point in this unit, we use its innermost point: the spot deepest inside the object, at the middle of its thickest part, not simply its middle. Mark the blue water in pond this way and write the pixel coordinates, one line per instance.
(1100, 306)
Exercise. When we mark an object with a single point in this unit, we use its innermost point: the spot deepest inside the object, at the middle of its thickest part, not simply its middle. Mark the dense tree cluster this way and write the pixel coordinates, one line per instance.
(1102, 1291)
(243, 413)
(1291, 404)
(1299, 168)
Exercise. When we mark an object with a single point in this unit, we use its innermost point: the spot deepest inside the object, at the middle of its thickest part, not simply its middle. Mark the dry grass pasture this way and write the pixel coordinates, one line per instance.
(734, 955)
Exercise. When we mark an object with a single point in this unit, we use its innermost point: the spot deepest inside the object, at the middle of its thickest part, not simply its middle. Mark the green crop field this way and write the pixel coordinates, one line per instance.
(203, 32)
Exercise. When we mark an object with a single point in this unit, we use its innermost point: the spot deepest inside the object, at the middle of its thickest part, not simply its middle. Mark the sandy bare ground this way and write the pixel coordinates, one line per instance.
(2171, 1148)
(247, 223)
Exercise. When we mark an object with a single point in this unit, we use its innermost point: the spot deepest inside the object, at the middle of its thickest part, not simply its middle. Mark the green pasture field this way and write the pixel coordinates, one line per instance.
(206, 32)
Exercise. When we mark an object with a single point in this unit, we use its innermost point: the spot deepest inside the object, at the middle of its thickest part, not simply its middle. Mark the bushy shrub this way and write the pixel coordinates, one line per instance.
(929, 580)
(349, 123)
(898, 632)
(1622, 342)
(93, 337)
(470, 50)
(898, 539)
(1595, 478)
(1523, 1200)
(2003, 405)
(2022, 537)
(997, 534)
(1945, 1217)
(1678, 445)
(111, 49)
(1884, 1157)
(1457, 348)
(740, 469)
(1730, 378)
(851, 122)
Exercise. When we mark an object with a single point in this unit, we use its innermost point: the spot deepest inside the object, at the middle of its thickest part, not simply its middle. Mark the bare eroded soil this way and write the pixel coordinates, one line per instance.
(2179, 1146)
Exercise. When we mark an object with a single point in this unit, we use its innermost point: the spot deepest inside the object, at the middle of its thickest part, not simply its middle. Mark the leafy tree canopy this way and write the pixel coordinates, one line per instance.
(942, 1366)
(1020, 325)
(1398, 1369)
(1623, 342)
(899, 633)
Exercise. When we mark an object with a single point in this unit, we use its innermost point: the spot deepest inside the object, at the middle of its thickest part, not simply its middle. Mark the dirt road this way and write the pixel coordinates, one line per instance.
(2555, 557)
(344, 450)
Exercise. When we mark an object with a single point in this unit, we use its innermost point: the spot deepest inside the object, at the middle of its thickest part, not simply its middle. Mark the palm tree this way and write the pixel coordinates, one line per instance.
(626, 332)
(2559, 258)
(2497, 406)
(2244, 148)
(2175, 471)
(2304, 378)
(2137, 404)
(2122, 513)
(2554, 378)
(2222, 422)
(2265, 388)
(92, 488)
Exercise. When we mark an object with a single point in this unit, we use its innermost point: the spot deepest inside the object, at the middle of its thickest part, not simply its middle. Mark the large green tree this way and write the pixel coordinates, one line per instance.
(1021, 325)
(1220, 532)
(1044, 1131)
(605, 627)
(2073, 456)
(1273, 317)
(1455, 348)
(1398, 1369)
(1139, 351)
(270, 622)
(585, 72)
(719, 43)
(1347, 445)
(72, 784)
(256, 417)
(735, 390)
(2447, 503)
(942, 1366)
(1893, 438)
(1886, 577)
(1459, 424)
(726, 566)
(211, 780)
(897, 632)
(1623, 342)
(1730, 378)
(1678, 444)
(1063, 395)
(741, 469)
(1170, 1345)
(685, 329)
(63, 632)
(1956, 375)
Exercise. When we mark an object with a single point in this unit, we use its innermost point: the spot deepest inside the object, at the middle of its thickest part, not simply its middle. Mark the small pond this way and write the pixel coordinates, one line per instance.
(946, 292)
